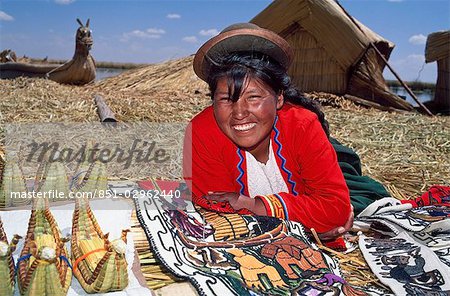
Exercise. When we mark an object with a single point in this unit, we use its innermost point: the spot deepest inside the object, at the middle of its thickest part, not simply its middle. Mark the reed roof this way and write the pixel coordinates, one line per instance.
(438, 46)
(341, 36)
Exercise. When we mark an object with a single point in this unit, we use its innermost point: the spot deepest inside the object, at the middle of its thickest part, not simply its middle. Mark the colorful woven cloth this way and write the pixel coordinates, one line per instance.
(407, 267)
(436, 195)
(231, 254)
(414, 256)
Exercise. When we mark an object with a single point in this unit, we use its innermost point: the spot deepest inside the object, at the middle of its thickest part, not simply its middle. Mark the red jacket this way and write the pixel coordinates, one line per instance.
(318, 196)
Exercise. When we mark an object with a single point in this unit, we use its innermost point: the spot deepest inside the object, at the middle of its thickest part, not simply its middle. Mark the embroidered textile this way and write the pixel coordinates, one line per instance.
(416, 259)
(406, 266)
(232, 254)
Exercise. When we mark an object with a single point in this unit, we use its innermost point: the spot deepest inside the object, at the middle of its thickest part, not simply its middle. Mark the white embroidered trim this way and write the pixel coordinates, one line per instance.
(263, 178)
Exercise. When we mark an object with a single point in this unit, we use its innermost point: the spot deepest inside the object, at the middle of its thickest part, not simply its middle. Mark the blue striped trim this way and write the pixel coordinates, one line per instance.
(65, 259)
(21, 259)
(239, 167)
(283, 160)
(284, 206)
(25, 257)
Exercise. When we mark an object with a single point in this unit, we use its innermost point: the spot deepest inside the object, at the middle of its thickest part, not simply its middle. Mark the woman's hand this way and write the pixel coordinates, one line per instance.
(238, 201)
(338, 231)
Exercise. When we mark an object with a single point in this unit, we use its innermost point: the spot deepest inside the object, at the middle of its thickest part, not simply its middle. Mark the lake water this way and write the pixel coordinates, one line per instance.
(422, 96)
(103, 73)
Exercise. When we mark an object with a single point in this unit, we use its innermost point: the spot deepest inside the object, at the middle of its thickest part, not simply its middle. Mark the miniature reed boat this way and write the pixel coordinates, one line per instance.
(98, 264)
(79, 70)
(43, 267)
(53, 177)
(13, 190)
(7, 274)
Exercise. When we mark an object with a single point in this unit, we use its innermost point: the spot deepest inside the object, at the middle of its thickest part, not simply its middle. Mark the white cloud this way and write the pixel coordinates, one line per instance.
(415, 58)
(418, 39)
(209, 32)
(5, 17)
(411, 68)
(411, 61)
(64, 2)
(190, 39)
(137, 33)
(155, 31)
(151, 33)
(173, 16)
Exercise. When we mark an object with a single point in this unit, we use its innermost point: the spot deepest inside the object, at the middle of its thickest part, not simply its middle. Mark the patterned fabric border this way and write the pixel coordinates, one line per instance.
(274, 205)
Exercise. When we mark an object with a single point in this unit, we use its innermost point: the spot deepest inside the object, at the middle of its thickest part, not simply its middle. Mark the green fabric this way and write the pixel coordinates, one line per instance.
(363, 190)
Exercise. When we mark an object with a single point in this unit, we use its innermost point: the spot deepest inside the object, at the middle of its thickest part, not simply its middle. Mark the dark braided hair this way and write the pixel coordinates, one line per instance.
(237, 66)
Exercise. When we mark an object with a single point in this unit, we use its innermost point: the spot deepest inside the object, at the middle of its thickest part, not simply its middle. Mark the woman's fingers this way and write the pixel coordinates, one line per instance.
(338, 231)
(331, 234)
(349, 224)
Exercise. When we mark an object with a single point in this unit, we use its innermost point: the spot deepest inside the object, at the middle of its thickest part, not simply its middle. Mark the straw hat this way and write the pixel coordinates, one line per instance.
(238, 38)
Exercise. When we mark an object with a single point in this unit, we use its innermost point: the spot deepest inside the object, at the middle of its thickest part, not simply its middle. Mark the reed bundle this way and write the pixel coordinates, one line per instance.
(156, 275)
(87, 245)
(99, 265)
(172, 75)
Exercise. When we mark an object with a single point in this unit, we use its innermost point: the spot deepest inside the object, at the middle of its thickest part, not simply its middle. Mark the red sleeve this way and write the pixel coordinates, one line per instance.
(323, 202)
(203, 167)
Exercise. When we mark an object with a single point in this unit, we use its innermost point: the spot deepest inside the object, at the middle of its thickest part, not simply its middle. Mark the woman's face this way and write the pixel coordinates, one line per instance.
(247, 122)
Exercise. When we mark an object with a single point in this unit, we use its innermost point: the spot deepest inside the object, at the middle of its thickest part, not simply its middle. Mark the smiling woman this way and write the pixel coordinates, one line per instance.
(262, 148)
(248, 120)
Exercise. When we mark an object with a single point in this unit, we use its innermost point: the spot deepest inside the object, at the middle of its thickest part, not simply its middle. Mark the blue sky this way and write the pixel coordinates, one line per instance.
(153, 31)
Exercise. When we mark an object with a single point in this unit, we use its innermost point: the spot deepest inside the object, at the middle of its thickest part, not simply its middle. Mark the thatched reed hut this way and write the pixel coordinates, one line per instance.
(438, 50)
(334, 52)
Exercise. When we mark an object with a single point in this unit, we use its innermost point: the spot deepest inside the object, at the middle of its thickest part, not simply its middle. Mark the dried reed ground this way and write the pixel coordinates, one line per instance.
(407, 152)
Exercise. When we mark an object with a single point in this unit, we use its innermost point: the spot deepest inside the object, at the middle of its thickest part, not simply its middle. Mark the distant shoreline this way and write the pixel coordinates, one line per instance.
(111, 65)
(414, 85)
(114, 65)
